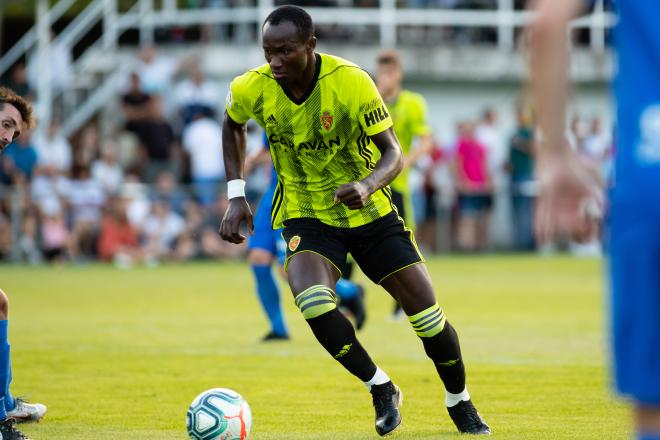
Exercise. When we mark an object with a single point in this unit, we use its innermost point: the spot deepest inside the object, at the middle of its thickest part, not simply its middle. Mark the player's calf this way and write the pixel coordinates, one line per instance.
(334, 331)
(441, 345)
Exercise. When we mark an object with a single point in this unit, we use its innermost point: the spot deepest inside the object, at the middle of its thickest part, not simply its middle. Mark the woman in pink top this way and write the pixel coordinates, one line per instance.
(474, 190)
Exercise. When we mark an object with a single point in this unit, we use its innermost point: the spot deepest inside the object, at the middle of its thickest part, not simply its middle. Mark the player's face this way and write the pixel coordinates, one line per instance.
(388, 77)
(10, 123)
(286, 54)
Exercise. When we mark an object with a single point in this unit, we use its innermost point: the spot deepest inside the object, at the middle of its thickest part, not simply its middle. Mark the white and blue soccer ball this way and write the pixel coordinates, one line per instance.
(219, 414)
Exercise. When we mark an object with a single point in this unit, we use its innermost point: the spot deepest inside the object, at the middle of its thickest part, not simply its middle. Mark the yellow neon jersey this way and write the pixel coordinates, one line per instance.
(319, 142)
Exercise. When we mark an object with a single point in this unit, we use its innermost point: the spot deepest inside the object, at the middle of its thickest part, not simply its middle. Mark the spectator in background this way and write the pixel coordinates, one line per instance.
(162, 229)
(85, 199)
(577, 133)
(54, 232)
(28, 242)
(202, 141)
(598, 147)
(156, 72)
(59, 67)
(106, 171)
(188, 246)
(135, 102)
(523, 188)
(490, 136)
(157, 141)
(18, 81)
(53, 149)
(474, 190)
(167, 188)
(5, 236)
(196, 94)
(119, 241)
(18, 160)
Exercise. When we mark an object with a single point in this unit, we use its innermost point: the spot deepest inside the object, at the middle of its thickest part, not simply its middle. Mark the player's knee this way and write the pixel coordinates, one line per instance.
(429, 322)
(260, 257)
(4, 305)
(316, 300)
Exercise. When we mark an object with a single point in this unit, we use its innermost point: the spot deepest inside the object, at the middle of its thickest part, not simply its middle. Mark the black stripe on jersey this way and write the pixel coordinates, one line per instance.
(277, 202)
(339, 67)
(388, 193)
(363, 141)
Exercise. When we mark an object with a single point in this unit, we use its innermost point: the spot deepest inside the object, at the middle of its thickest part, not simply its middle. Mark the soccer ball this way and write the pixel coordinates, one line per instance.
(219, 414)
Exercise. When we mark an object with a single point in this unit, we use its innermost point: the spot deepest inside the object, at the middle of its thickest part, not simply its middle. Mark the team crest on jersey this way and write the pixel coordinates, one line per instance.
(294, 243)
(326, 120)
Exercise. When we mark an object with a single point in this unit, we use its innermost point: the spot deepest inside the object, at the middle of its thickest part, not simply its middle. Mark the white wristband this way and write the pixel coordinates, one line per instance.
(235, 188)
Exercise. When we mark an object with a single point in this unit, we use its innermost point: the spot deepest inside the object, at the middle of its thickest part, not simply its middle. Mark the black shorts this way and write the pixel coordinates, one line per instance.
(380, 248)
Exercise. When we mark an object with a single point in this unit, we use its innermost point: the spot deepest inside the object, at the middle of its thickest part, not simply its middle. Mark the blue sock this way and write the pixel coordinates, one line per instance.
(648, 436)
(346, 290)
(269, 295)
(6, 400)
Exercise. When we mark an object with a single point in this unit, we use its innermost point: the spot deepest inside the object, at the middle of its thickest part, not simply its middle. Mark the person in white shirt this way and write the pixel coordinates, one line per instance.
(53, 149)
(202, 140)
(106, 170)
(196, 94)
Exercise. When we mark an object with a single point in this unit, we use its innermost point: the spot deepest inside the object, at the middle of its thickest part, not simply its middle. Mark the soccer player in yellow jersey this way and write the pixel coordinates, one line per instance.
(326, 124)
(408, 112)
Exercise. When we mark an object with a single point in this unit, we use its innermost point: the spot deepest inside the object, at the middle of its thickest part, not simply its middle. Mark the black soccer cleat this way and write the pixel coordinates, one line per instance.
(387, 399)
(467, 419)
(356, 307)
(272, 337)
(9, 432)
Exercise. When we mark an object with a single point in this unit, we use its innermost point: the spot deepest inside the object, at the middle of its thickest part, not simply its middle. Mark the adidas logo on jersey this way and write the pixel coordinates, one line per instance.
(271, 120)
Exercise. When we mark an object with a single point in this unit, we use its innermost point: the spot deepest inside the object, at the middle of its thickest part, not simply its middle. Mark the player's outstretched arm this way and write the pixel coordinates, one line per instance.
(233, 150)
(569, 195)
(355, 194)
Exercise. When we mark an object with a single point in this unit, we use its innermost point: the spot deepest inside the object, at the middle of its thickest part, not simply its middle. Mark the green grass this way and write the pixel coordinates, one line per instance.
(120, 354)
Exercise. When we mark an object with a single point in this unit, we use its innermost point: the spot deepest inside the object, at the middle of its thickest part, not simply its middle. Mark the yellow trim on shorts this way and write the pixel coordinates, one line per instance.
(286, 262)
(399, 269)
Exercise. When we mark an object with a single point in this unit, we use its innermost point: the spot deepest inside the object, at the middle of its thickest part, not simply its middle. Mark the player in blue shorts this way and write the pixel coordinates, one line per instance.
(15, 115)
(567, 201)
(265, 246)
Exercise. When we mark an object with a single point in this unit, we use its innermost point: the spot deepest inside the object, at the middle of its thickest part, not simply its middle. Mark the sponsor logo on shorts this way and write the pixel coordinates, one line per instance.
(294, 243)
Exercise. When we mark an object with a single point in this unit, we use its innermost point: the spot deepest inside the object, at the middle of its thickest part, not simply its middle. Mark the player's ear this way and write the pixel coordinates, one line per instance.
(311, 44)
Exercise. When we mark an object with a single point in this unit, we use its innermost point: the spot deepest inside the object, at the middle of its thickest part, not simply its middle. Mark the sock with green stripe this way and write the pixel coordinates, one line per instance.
(441, 345)
(334, 331)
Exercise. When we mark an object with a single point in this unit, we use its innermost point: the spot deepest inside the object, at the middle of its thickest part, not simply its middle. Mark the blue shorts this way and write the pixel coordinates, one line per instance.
(265, 237)
(635, 302)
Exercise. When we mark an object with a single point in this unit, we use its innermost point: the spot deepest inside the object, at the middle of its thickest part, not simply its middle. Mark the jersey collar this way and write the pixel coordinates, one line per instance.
(310, 88)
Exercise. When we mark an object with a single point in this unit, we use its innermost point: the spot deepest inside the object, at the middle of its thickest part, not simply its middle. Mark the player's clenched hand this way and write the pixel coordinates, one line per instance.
(237, 212)
(570, 202)
(354, 195)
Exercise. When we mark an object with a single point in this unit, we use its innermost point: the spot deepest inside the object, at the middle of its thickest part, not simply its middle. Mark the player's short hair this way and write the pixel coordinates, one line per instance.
(8, 96)
(389, 58)
(295, 15)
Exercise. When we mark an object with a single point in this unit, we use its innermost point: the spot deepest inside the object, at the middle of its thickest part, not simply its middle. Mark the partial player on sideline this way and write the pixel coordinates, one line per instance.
(568, 203)
(323, 117)
(15, 115)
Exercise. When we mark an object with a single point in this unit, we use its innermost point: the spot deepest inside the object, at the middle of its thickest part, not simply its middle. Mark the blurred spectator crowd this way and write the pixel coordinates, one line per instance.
(153, 189)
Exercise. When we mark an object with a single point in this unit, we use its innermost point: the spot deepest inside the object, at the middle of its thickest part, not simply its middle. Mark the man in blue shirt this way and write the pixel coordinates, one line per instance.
(568, 201)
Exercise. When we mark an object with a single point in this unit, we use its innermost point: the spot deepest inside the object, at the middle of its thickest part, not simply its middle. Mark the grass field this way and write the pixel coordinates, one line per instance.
(120, 354)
